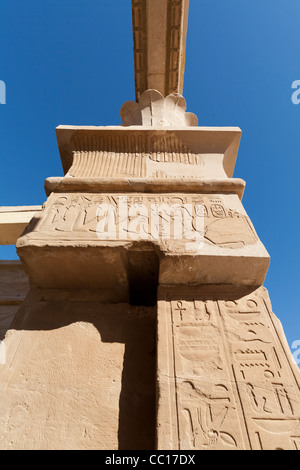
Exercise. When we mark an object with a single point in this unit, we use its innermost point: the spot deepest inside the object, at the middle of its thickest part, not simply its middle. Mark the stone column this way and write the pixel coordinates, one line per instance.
(147, 324)
(149, 204)
(226, 380)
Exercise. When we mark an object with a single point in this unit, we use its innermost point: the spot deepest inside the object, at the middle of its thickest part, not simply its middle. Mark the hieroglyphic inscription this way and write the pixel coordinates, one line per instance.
(234, 384)
(78, 215)
(205, 400)
(268, 392)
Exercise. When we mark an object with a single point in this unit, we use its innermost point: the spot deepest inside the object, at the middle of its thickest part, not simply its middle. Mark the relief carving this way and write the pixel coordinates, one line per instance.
(203, 418)
(152, 109)
(267, 390)
(135, 155)
(234, 386)
(198, 344)
(184, 216)
(206, 405)
(259, 399)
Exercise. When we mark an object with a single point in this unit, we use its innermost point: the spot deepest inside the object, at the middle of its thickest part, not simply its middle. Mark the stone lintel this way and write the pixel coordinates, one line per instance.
(130, 185)
(159, 39)
(13, 221)
(213, 150)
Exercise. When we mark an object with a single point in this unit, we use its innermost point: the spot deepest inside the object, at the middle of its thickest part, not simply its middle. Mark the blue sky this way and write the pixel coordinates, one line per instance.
(71, 62)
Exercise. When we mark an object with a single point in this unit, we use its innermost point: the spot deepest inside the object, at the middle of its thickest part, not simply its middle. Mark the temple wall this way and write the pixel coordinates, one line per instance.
(78, 375)
(14, 287)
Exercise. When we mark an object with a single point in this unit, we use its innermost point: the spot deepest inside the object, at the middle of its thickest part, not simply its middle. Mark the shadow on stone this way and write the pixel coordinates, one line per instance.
(108, 382)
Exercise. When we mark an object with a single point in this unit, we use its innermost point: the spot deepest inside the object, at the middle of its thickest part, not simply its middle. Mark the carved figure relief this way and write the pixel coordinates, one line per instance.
(203, 418)
(206, 405)
(267, 390)
(234, 386)
(175, 218)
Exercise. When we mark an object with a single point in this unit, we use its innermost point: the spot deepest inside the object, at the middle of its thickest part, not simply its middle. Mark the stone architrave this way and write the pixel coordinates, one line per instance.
(159, 39)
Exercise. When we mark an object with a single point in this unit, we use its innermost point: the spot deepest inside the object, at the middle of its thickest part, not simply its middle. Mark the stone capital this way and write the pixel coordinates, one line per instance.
(154, 110)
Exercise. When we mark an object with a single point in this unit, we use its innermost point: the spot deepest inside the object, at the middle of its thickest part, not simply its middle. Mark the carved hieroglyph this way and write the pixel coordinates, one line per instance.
(181, 228)
(227, 381)
(80, 369)
(77, 216)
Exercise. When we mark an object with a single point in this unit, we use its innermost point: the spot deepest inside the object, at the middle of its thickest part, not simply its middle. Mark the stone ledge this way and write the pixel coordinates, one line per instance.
(91, 264)
(14, 220)
(145, 185)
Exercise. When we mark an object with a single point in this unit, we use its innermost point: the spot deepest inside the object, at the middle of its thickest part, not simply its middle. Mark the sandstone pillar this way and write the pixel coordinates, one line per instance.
(225, 375)
(147, 324)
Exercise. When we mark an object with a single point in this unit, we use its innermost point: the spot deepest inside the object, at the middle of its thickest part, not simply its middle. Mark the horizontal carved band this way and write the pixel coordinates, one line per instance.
(191, 151)
(230, 185)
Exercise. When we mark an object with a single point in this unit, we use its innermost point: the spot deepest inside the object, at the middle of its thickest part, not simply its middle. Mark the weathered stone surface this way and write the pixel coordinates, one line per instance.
(145, 185)
(153, 109)
(13, 220)
(14, 284)
(159, 37)
(14, 287)
(78, 375)
(226, 377)
(83, 240)
(147, 152)
(147, 218)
